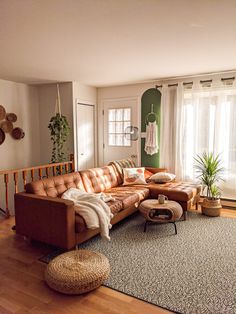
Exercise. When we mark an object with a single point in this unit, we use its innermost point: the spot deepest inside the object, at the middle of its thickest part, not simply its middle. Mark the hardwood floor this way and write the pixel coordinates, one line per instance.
(22, 287)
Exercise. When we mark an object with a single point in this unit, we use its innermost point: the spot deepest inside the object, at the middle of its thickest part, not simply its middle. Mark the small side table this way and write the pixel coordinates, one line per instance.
(154, 212)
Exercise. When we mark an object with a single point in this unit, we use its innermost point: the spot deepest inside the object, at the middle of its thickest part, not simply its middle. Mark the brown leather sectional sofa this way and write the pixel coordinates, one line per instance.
(43, 216)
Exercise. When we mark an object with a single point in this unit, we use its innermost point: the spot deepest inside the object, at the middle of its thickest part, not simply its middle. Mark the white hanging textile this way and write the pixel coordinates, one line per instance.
(151, 142)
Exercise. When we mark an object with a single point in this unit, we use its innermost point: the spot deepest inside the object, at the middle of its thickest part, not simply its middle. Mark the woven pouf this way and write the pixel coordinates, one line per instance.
(77, 272)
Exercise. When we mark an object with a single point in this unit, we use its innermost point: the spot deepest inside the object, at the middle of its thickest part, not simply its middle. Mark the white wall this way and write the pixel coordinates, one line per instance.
(22, 100)
(47, 99)
(84, 93)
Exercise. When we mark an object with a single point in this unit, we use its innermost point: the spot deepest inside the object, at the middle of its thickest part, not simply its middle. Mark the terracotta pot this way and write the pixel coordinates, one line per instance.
(211, 207)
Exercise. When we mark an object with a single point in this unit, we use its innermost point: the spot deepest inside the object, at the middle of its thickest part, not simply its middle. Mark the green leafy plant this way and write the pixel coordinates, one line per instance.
(209, 170)
(59, 132)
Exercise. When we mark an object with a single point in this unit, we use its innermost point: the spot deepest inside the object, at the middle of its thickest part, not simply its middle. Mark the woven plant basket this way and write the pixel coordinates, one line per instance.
(77, 272)
(211, 208)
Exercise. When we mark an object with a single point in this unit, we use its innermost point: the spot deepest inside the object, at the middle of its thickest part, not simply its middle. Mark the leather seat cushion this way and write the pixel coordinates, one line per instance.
(80, 224)
(176, 191)
(124, 197)
(129, 195)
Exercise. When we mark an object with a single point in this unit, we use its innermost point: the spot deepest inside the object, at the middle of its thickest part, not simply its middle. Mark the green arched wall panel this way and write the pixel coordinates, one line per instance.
(149, 97)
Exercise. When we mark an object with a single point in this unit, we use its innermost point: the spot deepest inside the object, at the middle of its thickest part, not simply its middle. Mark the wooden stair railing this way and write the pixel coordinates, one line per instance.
(35, 173)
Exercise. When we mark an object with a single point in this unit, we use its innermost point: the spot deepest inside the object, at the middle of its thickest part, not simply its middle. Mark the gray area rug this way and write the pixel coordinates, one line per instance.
(191, 272)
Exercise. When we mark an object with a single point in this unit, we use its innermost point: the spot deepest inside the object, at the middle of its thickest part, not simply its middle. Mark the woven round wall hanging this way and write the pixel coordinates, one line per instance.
(6, 126)
(12, 117)
(17, 133)
(2, 136)
(2, 112)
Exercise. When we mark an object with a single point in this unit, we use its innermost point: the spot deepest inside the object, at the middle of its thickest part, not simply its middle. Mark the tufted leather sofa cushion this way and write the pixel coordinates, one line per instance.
(128, 194)
(177, 191)
(115, 207)
(55, 186)
(97, 180)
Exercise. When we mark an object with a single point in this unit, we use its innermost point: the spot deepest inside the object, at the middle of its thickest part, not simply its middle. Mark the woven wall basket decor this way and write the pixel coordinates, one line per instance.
(17, 133)
(12, 117)
(6, 126)
(2, 112)
(2, 136)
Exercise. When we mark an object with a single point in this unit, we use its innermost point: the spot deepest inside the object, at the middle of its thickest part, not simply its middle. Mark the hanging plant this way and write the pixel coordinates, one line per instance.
(59, 132)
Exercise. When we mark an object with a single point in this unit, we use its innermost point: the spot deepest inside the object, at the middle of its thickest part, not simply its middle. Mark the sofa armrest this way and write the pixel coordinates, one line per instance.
(45, 219)
(155, 170)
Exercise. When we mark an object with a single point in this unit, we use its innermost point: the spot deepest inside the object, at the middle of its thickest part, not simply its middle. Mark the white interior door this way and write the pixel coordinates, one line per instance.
(118, 115)
(85, 136)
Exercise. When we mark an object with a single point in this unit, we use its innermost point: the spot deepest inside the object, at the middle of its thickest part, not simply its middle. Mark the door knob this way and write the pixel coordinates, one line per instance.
(134, 156)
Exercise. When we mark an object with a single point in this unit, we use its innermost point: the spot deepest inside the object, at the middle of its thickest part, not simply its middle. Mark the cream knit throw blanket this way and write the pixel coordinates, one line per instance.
(92, 208)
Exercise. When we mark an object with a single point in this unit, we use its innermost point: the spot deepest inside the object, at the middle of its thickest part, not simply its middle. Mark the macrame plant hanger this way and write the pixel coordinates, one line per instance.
(58, 102)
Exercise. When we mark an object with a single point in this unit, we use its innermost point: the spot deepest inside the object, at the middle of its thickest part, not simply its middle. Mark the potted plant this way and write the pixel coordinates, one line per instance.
(209, 170)
(59, 132)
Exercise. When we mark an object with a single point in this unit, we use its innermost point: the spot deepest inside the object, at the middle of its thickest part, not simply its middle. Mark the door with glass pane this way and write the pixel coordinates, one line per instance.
(118, 115)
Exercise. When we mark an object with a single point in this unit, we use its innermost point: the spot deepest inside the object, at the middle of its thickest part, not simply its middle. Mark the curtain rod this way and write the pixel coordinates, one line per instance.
(228, 78)
(201, 81)
(170, 85)
(205, 81)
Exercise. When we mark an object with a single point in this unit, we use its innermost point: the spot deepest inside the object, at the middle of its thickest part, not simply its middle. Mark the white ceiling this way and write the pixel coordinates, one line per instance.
(111, 42)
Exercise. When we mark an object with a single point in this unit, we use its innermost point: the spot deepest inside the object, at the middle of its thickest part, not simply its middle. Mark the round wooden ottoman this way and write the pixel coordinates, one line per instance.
(154, 212)
(77, 272)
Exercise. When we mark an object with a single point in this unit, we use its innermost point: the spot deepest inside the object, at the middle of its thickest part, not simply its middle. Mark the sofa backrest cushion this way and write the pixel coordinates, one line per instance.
(55, 186)
(99, 179)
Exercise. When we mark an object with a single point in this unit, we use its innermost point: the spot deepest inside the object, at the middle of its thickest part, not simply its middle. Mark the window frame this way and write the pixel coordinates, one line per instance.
(115, 121)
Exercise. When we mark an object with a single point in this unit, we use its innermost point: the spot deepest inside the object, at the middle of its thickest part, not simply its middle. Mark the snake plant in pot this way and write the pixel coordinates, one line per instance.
(209, 171)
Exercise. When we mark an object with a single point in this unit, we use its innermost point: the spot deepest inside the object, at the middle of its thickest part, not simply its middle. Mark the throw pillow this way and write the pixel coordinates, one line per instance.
(162, 177)
(134, 176)
(147, 174)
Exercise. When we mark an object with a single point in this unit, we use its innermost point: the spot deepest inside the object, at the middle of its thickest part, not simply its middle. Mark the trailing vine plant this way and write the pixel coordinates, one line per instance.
(59, 132)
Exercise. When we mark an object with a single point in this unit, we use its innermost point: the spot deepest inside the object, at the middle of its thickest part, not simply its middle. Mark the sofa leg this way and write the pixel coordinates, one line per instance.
(185, 214)
(175, 227)
(145, 226)
(196, 206)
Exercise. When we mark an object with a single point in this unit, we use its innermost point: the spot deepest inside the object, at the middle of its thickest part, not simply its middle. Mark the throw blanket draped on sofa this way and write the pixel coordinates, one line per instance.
(92, 208)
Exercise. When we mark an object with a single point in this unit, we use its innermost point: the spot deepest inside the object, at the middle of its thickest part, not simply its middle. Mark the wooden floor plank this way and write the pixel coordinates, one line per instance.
(23, 290)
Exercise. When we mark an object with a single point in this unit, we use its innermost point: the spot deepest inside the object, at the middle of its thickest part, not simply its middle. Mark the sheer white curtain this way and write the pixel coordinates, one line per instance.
(171, 131)
(197, 120)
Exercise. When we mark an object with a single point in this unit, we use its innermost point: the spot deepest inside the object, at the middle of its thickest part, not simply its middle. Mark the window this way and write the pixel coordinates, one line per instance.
(118, 121)
(208, 124)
